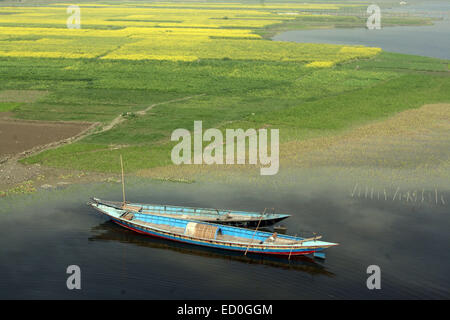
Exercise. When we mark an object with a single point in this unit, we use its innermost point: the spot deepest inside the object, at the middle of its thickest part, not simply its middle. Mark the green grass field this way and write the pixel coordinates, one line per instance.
(237, 94)
(8, 106)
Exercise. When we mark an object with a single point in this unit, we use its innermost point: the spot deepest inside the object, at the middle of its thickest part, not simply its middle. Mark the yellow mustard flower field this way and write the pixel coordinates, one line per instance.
(164, 31)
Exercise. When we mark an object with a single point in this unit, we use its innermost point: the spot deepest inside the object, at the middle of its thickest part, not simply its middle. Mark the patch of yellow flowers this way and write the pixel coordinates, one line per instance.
(320, 64)
(164, 31)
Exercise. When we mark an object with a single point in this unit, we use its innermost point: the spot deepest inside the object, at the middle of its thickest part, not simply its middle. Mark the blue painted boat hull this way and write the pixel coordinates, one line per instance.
(225, 247)
(108, 231)
(240, 218)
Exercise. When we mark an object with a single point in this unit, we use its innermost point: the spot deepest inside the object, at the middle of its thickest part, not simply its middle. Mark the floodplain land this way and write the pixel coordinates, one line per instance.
(135, 72)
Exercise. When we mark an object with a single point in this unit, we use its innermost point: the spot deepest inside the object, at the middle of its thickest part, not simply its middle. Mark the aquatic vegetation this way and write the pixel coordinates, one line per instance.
(178, 180)
(26, 187)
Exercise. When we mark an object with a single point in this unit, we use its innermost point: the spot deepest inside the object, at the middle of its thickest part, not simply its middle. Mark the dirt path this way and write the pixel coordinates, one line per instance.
(120, 118)
(24, 138)
(21, 138)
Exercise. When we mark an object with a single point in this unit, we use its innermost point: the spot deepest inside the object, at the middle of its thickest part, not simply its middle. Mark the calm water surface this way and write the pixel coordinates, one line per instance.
(44, 233)
(432, 41)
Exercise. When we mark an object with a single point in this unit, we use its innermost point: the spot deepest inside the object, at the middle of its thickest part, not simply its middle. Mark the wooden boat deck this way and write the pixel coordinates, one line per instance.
(220, 237)
(165, 227)
(228, 218)
(197, 216)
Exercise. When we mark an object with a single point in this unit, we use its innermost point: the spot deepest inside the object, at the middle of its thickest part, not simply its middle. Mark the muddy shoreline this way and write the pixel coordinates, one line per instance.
(411, 147)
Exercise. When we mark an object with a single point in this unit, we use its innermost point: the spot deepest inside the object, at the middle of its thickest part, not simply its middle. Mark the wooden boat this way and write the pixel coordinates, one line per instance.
(230, 217)
(107, 231)
(212, 235)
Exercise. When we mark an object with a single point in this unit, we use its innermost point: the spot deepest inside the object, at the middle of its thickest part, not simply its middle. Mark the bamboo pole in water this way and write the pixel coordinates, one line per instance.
(123, 182)
(251, 242)
(290, 252)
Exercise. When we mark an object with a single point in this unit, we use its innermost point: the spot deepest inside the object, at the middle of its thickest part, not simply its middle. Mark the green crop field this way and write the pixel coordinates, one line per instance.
(228, 74)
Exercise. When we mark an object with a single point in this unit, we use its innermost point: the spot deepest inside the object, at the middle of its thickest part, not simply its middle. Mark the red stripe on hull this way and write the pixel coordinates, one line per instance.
(283, 253)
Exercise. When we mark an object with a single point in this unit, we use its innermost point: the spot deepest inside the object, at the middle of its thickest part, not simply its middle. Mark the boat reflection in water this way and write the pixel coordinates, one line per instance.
(109, 231)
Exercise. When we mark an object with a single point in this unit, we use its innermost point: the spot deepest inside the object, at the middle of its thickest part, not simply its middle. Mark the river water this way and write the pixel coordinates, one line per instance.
(42, 234)
(432, 41)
